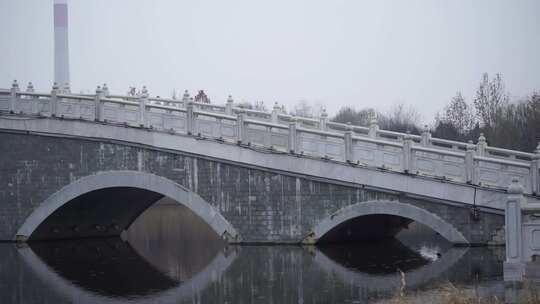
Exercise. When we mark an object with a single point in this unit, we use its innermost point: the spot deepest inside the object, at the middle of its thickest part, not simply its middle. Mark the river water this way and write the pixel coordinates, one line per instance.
(169, 256)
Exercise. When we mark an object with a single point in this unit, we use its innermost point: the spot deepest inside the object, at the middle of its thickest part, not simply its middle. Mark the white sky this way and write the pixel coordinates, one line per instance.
(360, 53)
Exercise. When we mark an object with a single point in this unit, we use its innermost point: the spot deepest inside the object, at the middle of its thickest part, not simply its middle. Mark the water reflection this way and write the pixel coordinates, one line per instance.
(108, 267)
(178, 261)
(376, 258)
(174, 240)
(380, 273)
(110, 271)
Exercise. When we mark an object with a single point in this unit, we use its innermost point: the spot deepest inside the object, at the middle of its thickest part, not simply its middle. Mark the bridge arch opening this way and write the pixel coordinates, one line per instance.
(377, 220)
(107, 203)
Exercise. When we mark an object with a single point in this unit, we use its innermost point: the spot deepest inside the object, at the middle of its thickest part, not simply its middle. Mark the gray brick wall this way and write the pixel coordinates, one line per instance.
(263, 206)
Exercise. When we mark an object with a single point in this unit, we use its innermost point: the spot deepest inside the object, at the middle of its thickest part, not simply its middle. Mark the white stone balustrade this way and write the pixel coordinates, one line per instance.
(522, 234)
(476, 164)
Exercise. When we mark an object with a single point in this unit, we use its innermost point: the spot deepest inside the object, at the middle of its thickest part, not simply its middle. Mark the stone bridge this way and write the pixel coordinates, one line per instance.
(77, 166)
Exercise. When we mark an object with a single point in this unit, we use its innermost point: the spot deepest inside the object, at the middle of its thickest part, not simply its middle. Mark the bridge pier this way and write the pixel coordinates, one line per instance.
(522, 221)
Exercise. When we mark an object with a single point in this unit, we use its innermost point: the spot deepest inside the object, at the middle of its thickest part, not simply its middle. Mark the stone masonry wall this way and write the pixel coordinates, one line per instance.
(263, 206)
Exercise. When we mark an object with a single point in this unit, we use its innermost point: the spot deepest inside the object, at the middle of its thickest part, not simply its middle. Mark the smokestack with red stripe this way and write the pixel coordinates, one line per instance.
(61, 52)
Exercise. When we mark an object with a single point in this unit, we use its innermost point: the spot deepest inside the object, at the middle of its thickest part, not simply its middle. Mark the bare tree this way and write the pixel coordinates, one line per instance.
(459, 114)
(356, 117)
(257, 105)
(490, 99)
(303, 109)
(401, 118)
(260, 106)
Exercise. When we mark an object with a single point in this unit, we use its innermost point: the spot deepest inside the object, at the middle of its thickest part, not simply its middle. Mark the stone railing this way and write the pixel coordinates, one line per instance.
(476, 164)
(522, 235)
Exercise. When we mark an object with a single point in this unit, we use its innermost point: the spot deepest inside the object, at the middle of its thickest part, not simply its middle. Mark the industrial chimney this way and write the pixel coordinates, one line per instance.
(61, 52)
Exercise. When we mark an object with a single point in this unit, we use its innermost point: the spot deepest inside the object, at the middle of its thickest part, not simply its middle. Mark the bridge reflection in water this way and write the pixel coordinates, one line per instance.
(169, 256)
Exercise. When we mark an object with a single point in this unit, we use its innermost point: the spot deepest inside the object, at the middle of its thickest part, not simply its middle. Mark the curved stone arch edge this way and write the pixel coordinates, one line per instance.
(387, 207)
(135, 179)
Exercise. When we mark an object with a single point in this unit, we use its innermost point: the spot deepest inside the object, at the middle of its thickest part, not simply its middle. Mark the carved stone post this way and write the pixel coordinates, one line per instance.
(34, 106)
(348, 143)
(190, 118)
(241, 126)
(323, 120)
(143, 101)
(229, 106)
(13, 98)
(293, 139)
(481, 145)
(275, 112)
(373, 128)
(407, 153)
(426, 136)
(30, 87)
(105, 90)
(185, 98)
(469, 164)
(54, 100)
(513, 266)
(98, 106)
(66, 89)
(535, 166)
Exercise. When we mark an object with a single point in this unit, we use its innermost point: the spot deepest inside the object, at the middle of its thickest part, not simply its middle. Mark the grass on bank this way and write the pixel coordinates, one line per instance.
(450, 294)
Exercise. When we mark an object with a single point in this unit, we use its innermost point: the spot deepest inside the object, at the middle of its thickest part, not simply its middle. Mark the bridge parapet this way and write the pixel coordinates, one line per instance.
(522, 229)
(475, 164)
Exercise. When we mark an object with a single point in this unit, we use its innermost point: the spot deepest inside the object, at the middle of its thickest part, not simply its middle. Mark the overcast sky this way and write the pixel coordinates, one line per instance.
(360, 53)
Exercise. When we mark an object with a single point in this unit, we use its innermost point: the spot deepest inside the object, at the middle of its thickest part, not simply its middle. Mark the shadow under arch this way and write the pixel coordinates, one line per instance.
(172, 294)
(387, 208)
(152, 186)
(391, 282)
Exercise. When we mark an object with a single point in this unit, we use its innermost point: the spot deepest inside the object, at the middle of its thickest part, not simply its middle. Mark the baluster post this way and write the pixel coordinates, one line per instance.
(98, 106)
(535, 166)
(275, 112)
(469, 163)
(241, 126)
(373, 127)
(13, 98)
(190, 121)
(323, 120)
(143, 101)
(229, 106)
(54, 100)
(66, 89)
(513, 234)
(105, 90)
(34, 105)
(426, 136)
(293, 136)
(407, 153)
(348, 143)
(481, 145)
(30, 87)
(185, 98)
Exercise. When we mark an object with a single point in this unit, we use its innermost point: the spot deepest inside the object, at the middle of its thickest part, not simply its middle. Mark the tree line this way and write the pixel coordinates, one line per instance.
(504, 123)
(507, 124)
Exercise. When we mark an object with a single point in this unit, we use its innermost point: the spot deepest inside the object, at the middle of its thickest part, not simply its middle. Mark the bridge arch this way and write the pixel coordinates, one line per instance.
(386, 207)
(129, 180)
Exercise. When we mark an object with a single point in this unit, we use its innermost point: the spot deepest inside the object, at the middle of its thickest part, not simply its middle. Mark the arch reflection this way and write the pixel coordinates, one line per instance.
(111, 271)
(374, 267)
(166, 255)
